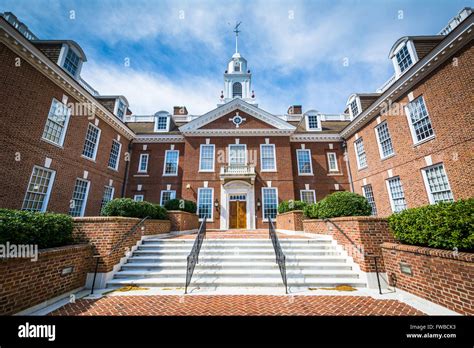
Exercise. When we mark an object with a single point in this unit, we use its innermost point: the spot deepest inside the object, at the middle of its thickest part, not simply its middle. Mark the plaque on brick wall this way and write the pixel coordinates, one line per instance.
(405, 268)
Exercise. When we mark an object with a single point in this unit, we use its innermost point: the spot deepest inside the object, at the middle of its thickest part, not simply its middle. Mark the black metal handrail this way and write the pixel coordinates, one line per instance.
(193, 257)
(116, 245)
(359, 249)
(280, 256)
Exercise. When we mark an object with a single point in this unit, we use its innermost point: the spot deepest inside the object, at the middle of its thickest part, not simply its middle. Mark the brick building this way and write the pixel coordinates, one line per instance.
(400, 146)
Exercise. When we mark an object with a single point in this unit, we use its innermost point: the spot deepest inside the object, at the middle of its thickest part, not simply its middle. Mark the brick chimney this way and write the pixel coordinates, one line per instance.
(295, 110)
(180, 110)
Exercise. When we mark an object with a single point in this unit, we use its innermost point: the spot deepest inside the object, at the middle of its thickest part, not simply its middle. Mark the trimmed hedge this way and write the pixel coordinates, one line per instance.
(47, 230)
(442, 225)
(286, 206)
(339, 204)
(181, 204)
(129, 208)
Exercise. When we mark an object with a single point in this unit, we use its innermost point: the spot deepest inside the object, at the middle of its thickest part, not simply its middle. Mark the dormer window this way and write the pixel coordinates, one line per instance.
(354, 106)
(403, 58)
(71, 62)
(162, 121)
(121, 109)
(313, 121)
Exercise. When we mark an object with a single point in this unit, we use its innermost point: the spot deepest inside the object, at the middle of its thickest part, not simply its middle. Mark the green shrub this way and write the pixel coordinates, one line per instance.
(129, 208)
(442, 225)
(47, 230)
(181, 204)
(286, 206)
(339, 204)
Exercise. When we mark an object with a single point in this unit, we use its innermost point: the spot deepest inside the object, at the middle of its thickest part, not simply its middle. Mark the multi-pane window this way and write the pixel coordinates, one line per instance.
(114, 155)
(71, 63)
(79, 198)
(237, 90)
(396, 194)
(420, 122)
(171, 162)
(55, 127)
(162, 123)
(138, 198)
(206, 158)
(369, 194)
(204, 207)
(437, 184)
(403, 58)
(39, 187)
(121, 109)
(108, 195)
(303, 157)
(312, 121)
(267, 157)
(360, 153)
(91, 142)
(270, 202)
(237, 155)
(384, 140)
(308, 196)
(332, 162)
(354, 108)
(166, 195)
(143, 164)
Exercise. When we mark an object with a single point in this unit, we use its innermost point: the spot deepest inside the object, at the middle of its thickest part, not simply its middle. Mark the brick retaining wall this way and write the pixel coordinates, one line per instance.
(183, 221)
(290, 221)
(26, 283)
(440, 276)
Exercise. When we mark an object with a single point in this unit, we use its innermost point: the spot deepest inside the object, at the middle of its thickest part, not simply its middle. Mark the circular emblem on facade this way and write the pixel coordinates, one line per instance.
(237, 120)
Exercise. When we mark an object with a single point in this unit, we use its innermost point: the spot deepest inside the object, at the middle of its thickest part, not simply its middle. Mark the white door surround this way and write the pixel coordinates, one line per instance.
(236, 187)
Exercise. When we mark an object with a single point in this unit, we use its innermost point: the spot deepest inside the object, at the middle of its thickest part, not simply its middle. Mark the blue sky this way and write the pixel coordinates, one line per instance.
(178, 50)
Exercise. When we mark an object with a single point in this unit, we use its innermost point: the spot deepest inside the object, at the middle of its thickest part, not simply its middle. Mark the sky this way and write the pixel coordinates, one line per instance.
(165, 53)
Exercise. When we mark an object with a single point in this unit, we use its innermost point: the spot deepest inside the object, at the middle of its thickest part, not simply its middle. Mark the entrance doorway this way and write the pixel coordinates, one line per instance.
(238, 211)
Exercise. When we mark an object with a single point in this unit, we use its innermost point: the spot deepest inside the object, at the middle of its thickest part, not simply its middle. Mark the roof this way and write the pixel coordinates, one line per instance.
(425, 44)
(71, 43)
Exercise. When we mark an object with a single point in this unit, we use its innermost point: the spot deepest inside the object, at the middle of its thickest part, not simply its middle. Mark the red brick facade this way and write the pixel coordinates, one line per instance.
(441, 276)
(183, 221)
(290, 221)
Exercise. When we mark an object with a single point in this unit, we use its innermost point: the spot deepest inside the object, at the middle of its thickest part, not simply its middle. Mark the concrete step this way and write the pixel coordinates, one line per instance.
(218, 258)
(249, 252)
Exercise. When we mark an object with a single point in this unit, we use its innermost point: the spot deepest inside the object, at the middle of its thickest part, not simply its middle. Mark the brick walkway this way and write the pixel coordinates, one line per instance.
(236, 305)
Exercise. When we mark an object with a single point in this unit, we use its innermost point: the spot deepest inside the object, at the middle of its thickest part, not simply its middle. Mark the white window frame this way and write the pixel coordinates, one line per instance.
(213, 158)
(140, 162)
(357, 154)
(358, 103)
(48, 191)
(168, 121)
(412, 128)
(364, 193)
(66, 123)
(413, 56)
(117, 108)
(274, 158)
(139, 198)
(96, 144)
(392, 203)
(118, 155)
(328, 155)
(313, 191)
(310, 162)
(86, 195)
(245, 153)
(62, 59)
(377, 136)
(318, 121)
(427, 185)
(111, 195)
(212, 202)
(173, 195)
(177, 164)
(263, 201)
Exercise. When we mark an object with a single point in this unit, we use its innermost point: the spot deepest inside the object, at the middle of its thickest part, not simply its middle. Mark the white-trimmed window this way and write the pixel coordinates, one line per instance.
(171, 163)
(206, 158)
(437, 184)
(138, 198)
(237, 87)
(162, 121)
(39, 189)
(419, 120)
(71, 62)
(332, 162)
(205, 199)
(92, 142)
(369, 195)
(360, 153)
(313, 120)
(308, 196)
(384, 140)
(269, 203)
(143, 163)
(121, 107)
(354, 107)
(56, 124)
(403, 57)
(108, 195)
(267, 158)
(237, 155)
(79, 197)
(397, 195)
(114, 157)
(305, 166)
(166, 195)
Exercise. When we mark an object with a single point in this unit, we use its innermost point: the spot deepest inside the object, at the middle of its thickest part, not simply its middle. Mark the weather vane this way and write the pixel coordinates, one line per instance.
(237, 31)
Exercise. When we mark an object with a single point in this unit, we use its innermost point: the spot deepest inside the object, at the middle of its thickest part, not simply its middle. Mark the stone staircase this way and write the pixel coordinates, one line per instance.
(242, 263)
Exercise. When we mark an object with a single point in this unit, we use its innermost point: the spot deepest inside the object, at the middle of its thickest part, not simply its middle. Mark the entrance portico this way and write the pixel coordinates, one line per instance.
(238, 198)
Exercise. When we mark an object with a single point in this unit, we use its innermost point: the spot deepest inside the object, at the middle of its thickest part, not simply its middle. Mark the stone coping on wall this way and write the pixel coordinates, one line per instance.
(181, 212)
(350, 218)
(106, 219)
(446, 254)
(290, 212)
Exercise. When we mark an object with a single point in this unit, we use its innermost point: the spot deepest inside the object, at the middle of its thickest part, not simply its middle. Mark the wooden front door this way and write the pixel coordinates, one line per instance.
(238, 214)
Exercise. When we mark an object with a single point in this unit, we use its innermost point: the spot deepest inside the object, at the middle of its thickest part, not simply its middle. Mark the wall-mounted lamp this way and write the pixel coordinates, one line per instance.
(188, 186)
(216, 204)
(258, 204)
